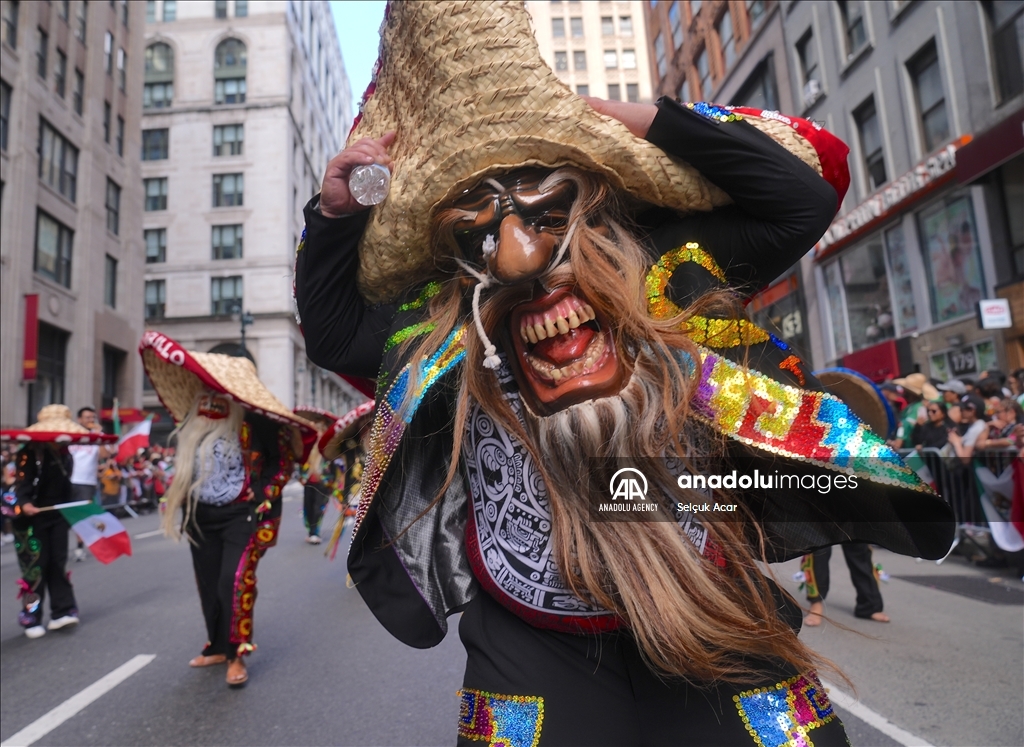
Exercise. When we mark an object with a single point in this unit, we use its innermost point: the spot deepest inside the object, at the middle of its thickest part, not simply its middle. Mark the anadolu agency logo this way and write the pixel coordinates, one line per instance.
(628, 491)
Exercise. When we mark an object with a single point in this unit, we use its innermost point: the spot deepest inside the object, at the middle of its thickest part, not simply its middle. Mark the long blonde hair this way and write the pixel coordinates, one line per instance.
(195, 437)
(689, 617)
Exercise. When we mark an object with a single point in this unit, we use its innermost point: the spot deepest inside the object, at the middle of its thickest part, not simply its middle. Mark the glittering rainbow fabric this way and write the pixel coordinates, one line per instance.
(500, 720)
(782, 716)
(713, 112)
(394, 413)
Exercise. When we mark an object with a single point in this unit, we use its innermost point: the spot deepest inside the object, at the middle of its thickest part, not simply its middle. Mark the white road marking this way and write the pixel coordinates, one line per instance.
(865, 714)
(146, 535)
(50, 721)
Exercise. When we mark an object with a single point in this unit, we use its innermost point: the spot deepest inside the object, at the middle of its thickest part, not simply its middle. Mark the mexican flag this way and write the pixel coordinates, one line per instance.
(100, 530)
(135, 439)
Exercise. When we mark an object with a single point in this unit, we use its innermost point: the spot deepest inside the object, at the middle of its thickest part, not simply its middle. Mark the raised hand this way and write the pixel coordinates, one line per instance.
(636, 117)
(335, 199)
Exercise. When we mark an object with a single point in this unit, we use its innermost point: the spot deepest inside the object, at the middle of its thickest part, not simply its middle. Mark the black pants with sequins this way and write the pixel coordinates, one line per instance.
(862, 574)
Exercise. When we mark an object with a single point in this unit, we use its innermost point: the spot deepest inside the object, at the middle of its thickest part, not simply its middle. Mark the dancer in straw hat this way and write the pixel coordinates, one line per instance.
(236, 449)
(319, 476)
(553, 284)
(43, 480)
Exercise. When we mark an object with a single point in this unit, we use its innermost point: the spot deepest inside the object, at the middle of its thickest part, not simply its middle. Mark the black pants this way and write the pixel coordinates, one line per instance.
(220, 537)
(314, 501)
(862, 573)
(597, 690)
(42, 546)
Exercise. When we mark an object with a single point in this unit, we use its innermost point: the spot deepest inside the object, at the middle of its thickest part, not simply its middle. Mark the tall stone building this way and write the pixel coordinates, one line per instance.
(596, 48)
(245, 102)
(71, 262)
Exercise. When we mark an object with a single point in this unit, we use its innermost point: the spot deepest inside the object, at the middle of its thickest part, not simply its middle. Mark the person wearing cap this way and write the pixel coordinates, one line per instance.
(546, 287)
(952, 391)
(972, 425)
(237, 445)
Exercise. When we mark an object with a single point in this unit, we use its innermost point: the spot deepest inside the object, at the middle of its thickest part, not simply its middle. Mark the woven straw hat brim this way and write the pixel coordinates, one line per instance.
(316, 415)
(347, 426)
(180, 375)
(465, 88)
(863, 397)
(55, 425)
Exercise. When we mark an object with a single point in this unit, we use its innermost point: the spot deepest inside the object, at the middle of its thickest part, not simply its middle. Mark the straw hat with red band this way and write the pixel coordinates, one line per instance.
(316, 415)
(180, 375)
(347, 426)
(56, 425)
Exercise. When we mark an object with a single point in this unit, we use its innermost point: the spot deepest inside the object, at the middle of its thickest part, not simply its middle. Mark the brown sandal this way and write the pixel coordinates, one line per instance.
(208, 661)
(237, 673)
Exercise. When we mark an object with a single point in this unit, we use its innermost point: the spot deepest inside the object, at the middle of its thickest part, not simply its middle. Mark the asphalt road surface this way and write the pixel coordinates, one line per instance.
(949, 670)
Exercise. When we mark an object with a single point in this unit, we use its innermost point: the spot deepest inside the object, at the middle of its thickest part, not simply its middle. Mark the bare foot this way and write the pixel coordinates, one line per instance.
(208, 661)
(814, 618)
(237, 674)
(881, 617)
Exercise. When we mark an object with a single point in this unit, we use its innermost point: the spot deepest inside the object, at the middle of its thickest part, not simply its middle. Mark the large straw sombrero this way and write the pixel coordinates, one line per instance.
(918, 384)
(56, 425)
(344, 428)
(863, 397)
(316, 415)
(180, 375)
(464, 86)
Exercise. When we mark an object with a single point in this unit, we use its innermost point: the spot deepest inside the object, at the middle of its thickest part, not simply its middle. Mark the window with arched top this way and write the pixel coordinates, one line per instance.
(229, 72)
(158, 90)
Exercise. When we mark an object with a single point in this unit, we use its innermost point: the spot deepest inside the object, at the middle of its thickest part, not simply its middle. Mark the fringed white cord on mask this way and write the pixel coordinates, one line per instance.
(491, 359)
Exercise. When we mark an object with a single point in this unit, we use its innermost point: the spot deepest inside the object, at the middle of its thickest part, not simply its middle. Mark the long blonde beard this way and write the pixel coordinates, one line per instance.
(195, 437)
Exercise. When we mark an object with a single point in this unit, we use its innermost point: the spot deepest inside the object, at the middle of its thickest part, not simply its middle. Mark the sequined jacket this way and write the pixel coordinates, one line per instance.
(412, 580)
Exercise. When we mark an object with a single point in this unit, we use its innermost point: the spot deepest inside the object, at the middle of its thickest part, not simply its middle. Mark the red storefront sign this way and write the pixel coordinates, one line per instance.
(30, 354)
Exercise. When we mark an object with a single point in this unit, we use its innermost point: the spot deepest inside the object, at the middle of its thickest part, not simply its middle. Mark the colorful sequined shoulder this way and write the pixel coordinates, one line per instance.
(500, 720)
(782, 716)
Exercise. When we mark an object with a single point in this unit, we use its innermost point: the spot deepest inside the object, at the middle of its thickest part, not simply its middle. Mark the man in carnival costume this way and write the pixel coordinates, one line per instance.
(545, 290)
(319, 476)
(237, 446)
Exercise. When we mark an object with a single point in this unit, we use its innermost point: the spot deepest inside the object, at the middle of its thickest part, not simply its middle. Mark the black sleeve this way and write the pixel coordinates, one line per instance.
(781, 206)
(343, 333)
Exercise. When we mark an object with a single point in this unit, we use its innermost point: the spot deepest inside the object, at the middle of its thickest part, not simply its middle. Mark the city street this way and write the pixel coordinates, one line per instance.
(947, 671)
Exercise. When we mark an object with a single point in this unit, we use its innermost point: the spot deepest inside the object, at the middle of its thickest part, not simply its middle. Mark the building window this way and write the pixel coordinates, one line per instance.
(119, 139)
(704, 72)
(949, 240)
(170, 10)
(809, 73)
(1011, 179)
(156, 144)
(614, 92)
(220, 9)
(11, 23)
(228, 140)
(611, 59)
(629, 59)
(870, 134)
(48, 388)
(156, 245)
(684, 90)
(694, 8)
(156, 193)
(42, 45)
(5, 113)
(82, 17)
(78, 95)
(760, 90)
(110, 282)
(60, 73)
(113, 207)
(1006, 20)
(583, 90)
(558, 28)
(576, 26)
(755, 12)
(108, 53)
(106, 121)
(58, 161)
(124, 12)
(675, 21)
(241, 8)
(225, 295)
(156, 298)
(659, 55)
(856, 36)
(727, 40)
(607, 26)
(632, 92)
(53, 249)
(113, 363)
(64, 9)
(625, 25)
(931, 100)
(229, 70)
(579, 60)
(228, 190)
(158, 89)
(902, 283)
(561, 61)
(150, 11)
(227, 242)
(866, 290)
(121, 65)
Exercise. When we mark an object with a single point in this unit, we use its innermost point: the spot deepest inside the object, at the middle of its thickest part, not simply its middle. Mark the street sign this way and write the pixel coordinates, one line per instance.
(994, 313)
